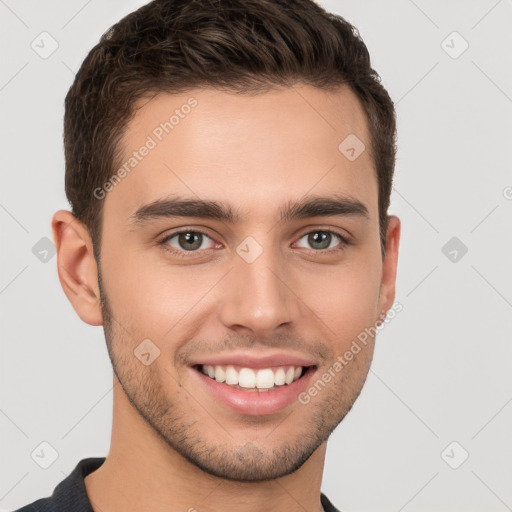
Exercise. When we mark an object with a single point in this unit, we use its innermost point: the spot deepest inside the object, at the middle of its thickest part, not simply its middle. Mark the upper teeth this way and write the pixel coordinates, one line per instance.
(264, 378)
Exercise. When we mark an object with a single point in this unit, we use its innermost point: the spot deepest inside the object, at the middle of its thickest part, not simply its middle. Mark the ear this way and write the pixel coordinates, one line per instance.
(389, 265)
(76, 266)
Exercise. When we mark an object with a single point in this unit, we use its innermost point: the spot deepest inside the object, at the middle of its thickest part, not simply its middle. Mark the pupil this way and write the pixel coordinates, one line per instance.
(190, 241)
(320, 237)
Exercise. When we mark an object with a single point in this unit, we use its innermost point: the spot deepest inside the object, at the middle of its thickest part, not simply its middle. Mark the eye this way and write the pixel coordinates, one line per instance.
(190, 241)
(323, 240)
(194, 242)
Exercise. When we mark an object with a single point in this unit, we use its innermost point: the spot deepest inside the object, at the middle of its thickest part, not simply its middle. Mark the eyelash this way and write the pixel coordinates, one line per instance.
(344, 242)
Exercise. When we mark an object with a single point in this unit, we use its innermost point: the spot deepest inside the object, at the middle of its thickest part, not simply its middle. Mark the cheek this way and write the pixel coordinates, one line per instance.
(148, 296)
(345, 299)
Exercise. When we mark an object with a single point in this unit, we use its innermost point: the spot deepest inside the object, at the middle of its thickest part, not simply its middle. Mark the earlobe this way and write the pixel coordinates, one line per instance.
(76, 266)
(389, 265)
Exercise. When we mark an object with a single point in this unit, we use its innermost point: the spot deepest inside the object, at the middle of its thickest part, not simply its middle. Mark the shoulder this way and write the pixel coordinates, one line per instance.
(40, 505)
(70, 495)
(327, 505)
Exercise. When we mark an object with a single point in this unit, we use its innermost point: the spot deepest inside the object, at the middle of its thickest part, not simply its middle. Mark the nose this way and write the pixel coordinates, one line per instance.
(259, 297)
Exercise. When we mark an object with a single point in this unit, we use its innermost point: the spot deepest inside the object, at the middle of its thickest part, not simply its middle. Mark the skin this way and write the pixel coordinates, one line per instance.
(173, 446)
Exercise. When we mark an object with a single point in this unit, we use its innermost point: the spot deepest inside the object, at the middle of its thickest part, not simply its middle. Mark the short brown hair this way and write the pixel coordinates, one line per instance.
(235, 45)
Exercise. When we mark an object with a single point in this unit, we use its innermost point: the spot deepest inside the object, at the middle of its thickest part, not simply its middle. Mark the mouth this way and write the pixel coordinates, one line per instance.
(254, 379)
(253, 386)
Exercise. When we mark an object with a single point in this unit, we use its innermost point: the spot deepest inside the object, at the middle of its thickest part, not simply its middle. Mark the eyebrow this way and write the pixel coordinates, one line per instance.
(311, 206)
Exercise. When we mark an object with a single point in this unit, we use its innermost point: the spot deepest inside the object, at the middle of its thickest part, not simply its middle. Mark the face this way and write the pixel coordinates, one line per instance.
(240, 259)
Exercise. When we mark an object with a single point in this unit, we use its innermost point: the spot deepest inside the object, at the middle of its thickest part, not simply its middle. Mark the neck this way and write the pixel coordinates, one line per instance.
(141, 472)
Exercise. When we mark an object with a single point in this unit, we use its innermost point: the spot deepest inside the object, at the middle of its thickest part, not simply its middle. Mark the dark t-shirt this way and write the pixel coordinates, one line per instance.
(70, 495)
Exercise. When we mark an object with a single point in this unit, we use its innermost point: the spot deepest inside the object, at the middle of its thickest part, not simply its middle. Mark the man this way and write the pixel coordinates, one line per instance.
(229, 166)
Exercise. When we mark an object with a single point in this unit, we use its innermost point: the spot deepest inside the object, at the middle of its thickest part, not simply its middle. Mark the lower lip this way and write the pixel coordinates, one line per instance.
(254, 402)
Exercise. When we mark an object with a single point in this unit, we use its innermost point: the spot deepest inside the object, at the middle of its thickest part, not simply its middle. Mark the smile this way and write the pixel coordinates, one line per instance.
(253, 388)
(262, 379)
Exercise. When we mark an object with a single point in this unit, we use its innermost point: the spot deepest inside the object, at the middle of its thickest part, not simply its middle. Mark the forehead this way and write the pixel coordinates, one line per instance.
(254, 152)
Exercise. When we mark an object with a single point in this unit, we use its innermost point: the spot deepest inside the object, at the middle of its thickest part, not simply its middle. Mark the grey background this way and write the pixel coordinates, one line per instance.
(441, 371)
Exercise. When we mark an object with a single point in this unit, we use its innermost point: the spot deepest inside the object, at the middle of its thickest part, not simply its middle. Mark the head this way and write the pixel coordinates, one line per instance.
(217, 214)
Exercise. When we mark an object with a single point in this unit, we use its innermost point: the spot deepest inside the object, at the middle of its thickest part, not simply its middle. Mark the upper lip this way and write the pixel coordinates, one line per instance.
(251, 360)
